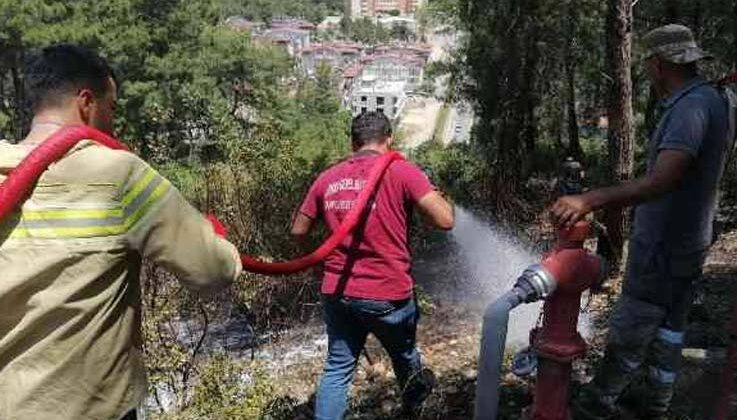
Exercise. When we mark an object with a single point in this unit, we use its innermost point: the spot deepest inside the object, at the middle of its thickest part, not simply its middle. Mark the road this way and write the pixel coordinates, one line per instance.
(459, 125)
(419, 120)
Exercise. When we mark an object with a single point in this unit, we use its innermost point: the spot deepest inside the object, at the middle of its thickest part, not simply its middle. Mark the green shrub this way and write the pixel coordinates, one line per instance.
(228, 389)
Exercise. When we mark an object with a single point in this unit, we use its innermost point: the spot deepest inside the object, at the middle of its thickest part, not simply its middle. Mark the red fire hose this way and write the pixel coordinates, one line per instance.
(349, 223)
(727, 80)
(17, 186)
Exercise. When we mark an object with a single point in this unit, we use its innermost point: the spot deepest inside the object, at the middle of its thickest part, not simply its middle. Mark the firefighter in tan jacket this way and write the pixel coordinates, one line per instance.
(70, 306)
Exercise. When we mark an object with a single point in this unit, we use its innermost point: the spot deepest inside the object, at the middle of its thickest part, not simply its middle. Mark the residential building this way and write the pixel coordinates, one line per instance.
(421, 51)
(292, 23)
(371, 94)
(371, 8)
(293, 39)
(330, 23)
(242, 24)
(393, 22)
(339, 55)
(395, 68)
(383, 78)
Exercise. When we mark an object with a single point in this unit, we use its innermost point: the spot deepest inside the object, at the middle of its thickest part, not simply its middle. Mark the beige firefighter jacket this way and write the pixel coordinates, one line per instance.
(70, 304)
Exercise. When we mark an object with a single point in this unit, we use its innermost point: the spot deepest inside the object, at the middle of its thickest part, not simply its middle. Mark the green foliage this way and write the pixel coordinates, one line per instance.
(515, 61)
(264, 10)
(424, 301)
(458, 169)
(228, 389)
(402, 33)
(364, 30)
(232, 125)
(4, 123)
(242, 392)
(440, 12)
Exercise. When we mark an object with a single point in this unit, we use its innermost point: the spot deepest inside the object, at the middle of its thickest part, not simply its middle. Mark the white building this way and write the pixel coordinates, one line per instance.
(383, 79)
(370, 8)
(394, 68)
(391, 22)
(338, 55)
(370, 94)
(294, 40)
(330, 23)
(241, 24)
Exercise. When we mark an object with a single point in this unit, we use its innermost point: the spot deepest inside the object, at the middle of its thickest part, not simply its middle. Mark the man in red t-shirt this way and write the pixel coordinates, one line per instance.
(367, 286)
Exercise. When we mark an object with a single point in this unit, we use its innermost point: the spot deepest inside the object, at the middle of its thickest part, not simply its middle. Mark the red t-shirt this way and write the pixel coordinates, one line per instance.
(378, 265)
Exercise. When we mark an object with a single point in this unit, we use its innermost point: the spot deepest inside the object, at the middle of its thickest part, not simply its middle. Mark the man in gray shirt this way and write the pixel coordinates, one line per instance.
(676, 201)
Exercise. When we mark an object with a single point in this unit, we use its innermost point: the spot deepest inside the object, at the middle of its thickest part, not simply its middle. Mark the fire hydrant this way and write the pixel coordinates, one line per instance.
(558, 342)
(560, 279)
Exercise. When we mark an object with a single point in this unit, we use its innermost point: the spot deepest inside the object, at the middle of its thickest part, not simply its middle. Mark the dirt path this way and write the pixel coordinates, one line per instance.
(418, 121)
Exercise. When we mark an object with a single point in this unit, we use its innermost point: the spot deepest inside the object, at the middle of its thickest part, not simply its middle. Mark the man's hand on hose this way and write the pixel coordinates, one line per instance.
(569, 209)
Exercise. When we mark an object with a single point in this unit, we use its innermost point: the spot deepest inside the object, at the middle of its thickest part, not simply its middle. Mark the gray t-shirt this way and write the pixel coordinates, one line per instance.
(694, 120)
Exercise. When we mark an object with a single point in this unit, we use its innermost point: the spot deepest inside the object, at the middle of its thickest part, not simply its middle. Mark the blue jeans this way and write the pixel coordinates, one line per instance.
(349, 321)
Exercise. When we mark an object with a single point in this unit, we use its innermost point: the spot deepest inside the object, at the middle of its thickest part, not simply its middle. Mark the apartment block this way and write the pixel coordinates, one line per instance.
(372, 8)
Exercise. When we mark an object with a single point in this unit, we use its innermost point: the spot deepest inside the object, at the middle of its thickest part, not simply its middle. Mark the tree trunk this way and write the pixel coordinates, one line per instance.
(671, 10)
(697, 17)
(559, 115)
(619, 110)
(511, 64)
(518, 90)
(574, 144)
(528, 89)
(734, 37)
(21, 119)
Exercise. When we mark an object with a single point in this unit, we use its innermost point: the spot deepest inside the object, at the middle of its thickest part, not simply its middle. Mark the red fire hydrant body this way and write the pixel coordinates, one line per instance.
(558, 342)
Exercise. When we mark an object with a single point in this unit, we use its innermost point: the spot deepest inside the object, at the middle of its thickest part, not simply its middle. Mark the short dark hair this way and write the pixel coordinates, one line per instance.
(61, 69)
(370, 127)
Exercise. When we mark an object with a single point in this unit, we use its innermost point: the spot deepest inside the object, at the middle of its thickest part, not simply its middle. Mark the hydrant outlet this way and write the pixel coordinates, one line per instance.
(538, 282)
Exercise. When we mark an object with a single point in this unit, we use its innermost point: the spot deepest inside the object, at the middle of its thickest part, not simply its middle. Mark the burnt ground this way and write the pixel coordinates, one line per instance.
(710, 317)
(706, 337)
(449, 340)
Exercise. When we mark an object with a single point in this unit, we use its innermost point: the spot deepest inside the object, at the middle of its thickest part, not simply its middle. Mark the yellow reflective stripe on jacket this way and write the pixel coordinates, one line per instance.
(87, 223)
(88, 232)
(153, 198)
(139, 186)
(72, 214)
